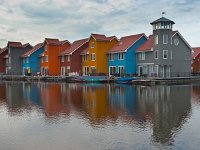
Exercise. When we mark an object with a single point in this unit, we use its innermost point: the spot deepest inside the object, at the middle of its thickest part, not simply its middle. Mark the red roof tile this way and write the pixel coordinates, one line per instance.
(75, 45)
(147, 45)
(101, 37)
(35, 48)
(15, 44)
(52, 41)
(125, 42)
(3, 50)
(196, 52)
(85, 51)
(65, 41)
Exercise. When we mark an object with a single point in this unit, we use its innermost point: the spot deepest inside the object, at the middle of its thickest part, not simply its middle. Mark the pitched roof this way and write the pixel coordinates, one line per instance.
(35, 48)
(196, 52)
(15, 44)
(85, 51)
(75, 45)
(27, 44)
(65, 41)
(147, 45)
(162, 19)
(52, 41)
(125, 42)
(4, 49)
(102, 37)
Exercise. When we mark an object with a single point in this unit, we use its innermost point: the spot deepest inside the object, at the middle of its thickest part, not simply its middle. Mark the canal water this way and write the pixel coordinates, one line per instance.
(58, 116)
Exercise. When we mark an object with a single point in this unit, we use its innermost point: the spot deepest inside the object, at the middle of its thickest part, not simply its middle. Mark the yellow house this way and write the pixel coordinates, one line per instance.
(94, 59)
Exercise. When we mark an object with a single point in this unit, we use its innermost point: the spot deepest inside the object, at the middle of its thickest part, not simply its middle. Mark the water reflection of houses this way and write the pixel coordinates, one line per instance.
(167, 106)
(95, 99)
(53, 102)
(14, 98)
(196, 94)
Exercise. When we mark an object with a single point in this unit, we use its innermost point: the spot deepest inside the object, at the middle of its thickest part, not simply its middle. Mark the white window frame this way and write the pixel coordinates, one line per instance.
(120, 68)
(92, 57)
(110, 69)
(63, 58)
(111, 57)
(156, 40)
(142, 56)
(46, 58)
(167, 39)
(166, 53)
(68, 58)
(92, 45)
(121, 56)
(85, 57)
(156, 51)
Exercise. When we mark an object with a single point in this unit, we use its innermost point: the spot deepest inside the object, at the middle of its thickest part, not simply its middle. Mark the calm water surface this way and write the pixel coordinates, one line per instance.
(50, 116)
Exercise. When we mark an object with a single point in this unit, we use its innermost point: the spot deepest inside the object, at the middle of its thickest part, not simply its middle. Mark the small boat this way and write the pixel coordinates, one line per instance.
(92, 79)
(125, 80)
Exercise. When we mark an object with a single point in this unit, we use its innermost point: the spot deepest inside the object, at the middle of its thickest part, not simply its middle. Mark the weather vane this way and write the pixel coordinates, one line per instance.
(163, 13)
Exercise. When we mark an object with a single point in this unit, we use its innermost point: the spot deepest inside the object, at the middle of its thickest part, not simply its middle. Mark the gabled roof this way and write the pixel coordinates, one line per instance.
(52, 41)
(85, 51)
(101, 37)
(196, 52)
(125, 42)
(35, 48)
(65, 41)
(147, 45)
(4, 49)
(15, 44)
(162, 19)
(75, 45)
(27, 44)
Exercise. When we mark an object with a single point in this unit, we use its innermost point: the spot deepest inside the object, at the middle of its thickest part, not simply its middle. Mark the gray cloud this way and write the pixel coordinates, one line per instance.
(69, 19)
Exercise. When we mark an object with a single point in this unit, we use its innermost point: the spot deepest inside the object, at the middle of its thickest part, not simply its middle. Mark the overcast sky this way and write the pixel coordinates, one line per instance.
(33, 20)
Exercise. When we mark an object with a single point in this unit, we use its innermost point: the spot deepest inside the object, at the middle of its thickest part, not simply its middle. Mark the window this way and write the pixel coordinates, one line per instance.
(165, 39)
(42, 59)
(68, 58)
(46, 48)
(156, 39)
(92, 45)
(165, 54)
(111, 56)
(156, 54)
(46, 58)
(142, 56)
(84, 57)
(85, 70)
(62, 58)
(27, 60)
(9, 59)
(121, 56)
(93, 57)
(112, 70)
(121, 70)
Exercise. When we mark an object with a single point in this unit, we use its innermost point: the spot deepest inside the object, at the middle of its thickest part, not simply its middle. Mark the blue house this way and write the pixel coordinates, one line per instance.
(122, 57)
(31, 61)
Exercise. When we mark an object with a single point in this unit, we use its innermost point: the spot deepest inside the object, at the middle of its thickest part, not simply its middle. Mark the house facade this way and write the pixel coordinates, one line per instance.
(122, 56)
(165, 53)
(196, 60)
(70, 58)
(49, 59)
(31, 61)
(13, 59)
(94, 59)
(3, 53)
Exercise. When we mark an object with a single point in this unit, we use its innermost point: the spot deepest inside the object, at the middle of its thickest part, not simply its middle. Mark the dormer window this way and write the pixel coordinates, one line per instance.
(92, 45)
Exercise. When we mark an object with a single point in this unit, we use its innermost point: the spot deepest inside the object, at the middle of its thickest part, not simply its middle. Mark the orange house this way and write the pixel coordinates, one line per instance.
(49, 62)
(94, 60)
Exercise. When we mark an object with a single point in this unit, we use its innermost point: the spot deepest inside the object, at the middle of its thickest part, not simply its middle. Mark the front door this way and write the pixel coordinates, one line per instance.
(140, 70)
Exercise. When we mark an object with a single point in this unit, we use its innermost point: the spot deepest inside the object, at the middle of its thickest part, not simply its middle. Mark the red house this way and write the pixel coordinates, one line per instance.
(196, 60)
(3, 54)
(70, 59)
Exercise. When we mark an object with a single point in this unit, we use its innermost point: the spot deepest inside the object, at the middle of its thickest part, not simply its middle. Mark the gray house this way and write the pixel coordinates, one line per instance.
(13, 59)
(165, 53)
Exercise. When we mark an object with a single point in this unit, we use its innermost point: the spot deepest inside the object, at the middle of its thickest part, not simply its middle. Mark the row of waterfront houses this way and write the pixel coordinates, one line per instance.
(165, 53)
